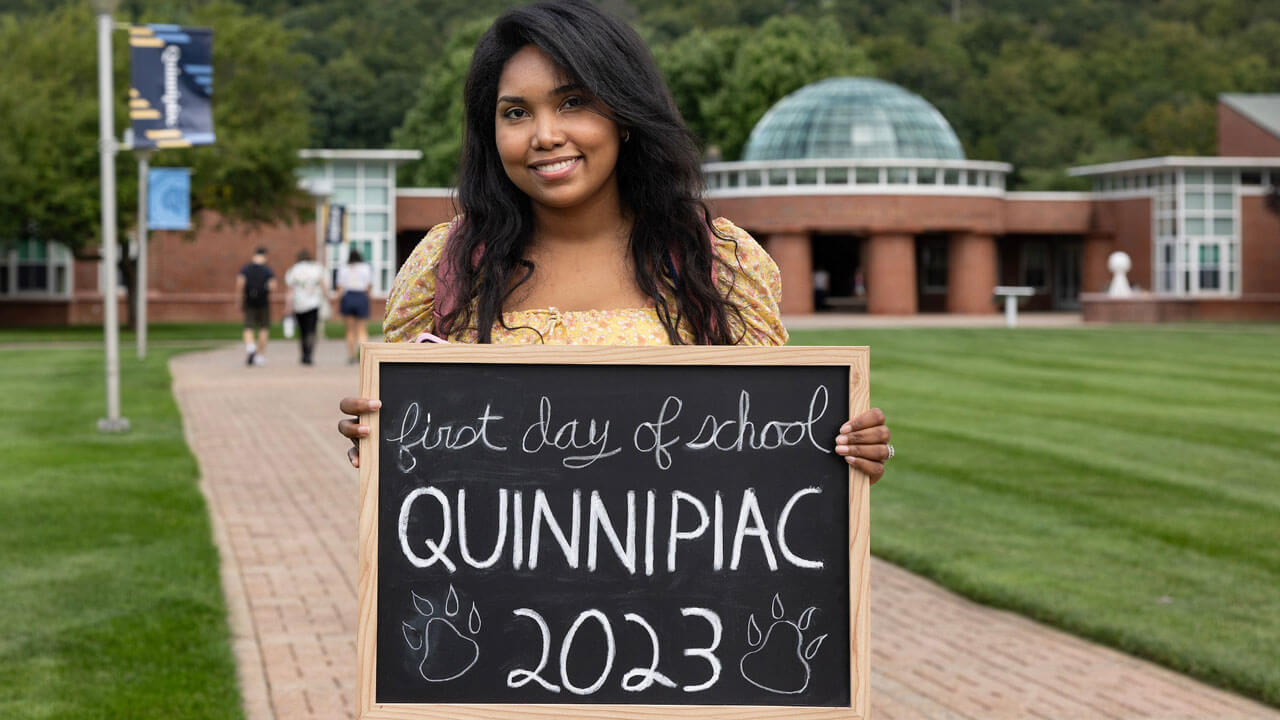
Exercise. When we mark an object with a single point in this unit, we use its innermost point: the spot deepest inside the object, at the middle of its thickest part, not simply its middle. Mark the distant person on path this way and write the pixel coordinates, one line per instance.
(821, 287)
(354, 281)
(306, 285)
(254, 284)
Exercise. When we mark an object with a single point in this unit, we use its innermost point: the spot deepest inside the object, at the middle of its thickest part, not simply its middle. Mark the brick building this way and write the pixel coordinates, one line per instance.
(852, 183)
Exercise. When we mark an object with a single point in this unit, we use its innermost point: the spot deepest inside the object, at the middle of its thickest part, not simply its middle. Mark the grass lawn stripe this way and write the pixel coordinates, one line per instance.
(113, 605)
(1121, 483)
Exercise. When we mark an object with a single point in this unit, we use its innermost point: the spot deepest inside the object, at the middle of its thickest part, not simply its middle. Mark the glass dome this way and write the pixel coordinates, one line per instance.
(852, 117)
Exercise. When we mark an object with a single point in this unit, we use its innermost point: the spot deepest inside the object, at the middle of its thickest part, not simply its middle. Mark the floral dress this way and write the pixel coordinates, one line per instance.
(749, 272)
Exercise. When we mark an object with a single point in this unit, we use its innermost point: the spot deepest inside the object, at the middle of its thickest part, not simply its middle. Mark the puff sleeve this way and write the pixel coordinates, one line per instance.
(411, 303)
(754, 286)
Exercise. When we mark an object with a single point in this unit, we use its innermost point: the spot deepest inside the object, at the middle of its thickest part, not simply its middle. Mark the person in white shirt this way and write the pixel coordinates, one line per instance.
(305, 298)
(354, 280)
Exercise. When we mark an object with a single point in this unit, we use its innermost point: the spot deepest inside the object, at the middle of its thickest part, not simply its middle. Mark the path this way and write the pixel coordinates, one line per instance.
(284, 500)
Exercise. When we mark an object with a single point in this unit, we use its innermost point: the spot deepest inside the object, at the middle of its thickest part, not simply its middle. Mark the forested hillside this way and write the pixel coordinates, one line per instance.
(1040, 85)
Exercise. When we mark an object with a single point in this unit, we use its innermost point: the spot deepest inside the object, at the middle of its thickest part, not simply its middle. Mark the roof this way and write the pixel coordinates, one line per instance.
(1173, 161)
(331, 154)
(852, 117)
(1263, 110)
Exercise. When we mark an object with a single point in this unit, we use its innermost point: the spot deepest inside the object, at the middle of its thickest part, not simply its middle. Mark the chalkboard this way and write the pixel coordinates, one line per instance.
(578, 532)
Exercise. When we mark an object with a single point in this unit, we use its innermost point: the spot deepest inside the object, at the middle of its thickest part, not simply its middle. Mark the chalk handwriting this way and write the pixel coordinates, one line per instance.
(567, 437)
(625, 535)
(740, 433)
(447, 436)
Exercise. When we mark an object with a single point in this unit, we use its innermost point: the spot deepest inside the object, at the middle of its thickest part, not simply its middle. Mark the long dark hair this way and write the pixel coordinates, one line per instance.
(658, 174)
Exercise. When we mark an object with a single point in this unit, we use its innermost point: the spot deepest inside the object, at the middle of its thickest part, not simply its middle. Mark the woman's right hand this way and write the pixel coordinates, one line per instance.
(350, 427)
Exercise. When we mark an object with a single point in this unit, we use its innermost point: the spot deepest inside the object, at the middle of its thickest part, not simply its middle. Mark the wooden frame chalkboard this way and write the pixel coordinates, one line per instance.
(433, 460)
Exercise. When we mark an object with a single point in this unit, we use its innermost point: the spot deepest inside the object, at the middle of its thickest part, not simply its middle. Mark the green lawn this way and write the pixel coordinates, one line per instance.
(161, 333)
(1121, 483)
(110, 603)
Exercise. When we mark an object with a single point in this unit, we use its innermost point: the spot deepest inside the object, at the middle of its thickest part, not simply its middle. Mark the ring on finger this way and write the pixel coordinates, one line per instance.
(890, 455)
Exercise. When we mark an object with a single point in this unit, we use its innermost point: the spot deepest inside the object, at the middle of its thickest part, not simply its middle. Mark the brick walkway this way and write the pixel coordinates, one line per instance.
(283, 501)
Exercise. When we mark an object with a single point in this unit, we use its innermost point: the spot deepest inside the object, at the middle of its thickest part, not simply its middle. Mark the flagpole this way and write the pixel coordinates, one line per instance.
(113, 422)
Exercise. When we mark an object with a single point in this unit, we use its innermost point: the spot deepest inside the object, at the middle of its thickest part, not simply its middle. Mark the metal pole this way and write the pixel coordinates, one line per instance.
(144, 167)
(107, 153)
(321, 257)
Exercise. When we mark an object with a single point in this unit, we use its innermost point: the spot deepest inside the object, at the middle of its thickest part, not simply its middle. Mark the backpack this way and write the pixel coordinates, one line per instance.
(256, 293)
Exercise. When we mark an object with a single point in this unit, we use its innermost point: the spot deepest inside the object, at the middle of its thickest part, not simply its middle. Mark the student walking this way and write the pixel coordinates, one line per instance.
(305, 299)
(254, 285)
(354, 282)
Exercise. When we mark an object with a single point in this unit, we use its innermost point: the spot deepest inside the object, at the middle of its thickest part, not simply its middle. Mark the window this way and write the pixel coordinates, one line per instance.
(1196, 240)
(1209, 267)
(367, 189)
(35, 267)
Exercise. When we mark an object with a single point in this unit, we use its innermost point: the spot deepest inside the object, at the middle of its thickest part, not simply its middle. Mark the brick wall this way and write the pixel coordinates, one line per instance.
(861, 214)
(1128, 225)
(1259, 247)
(1238, 136)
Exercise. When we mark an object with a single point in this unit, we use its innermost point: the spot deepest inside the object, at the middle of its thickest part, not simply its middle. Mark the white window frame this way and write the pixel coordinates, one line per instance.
(381, 244)
(57, 256)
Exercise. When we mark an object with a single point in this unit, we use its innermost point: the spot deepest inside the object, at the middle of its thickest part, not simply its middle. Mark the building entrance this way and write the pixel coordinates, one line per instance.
(837, 264)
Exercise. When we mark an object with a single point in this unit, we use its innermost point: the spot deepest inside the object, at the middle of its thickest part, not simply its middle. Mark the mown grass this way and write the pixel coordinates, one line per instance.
(160, 333)
(110, 605)
(1120, 483)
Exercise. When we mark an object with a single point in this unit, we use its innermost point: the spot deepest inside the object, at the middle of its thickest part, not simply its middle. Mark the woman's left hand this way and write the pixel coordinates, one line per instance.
(864, 443)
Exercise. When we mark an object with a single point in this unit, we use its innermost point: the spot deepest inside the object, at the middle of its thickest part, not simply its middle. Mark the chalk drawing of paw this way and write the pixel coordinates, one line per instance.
(780, 661)
(447, 652)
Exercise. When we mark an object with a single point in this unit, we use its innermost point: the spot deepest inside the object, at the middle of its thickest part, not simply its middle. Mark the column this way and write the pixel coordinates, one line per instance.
(794, 255)
(971, 273)
(889, 268)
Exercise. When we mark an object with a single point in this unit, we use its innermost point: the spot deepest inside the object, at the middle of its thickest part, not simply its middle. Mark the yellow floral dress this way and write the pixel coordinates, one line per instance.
(751, 275)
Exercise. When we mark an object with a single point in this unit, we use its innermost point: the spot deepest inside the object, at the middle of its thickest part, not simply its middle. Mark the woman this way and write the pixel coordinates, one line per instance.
(306, 284)
(354, 280)
(581, 215)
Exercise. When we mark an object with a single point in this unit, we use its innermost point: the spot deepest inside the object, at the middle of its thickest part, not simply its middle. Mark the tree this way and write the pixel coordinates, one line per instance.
(751, 70)
(696, 68)
(49, 166)
(434, 123)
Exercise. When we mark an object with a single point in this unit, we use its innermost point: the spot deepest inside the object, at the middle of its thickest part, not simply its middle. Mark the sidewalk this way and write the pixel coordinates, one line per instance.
(284, 503)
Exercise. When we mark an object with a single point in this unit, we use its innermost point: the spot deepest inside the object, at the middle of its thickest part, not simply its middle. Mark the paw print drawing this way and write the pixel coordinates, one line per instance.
(780, 661)
(447, 652)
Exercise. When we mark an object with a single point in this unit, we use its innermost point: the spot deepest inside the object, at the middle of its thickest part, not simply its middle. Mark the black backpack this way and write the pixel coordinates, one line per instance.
(255, 285)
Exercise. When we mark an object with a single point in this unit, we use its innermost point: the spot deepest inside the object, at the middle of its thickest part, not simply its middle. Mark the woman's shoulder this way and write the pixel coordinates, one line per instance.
(753, 284)
(410, 306)
(736, 246)
(434, 241)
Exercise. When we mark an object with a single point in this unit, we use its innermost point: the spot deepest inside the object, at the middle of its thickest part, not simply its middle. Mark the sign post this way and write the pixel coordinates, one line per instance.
(113, 422)
(144, 166)
(592, 532)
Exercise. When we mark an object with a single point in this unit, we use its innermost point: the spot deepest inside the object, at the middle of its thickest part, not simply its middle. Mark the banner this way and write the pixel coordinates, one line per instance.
(335, 225)
(171, 71)
(169, 198)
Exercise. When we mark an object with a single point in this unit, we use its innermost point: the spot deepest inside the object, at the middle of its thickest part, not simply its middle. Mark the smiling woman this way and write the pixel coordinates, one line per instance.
(581, 218)
(557, 144)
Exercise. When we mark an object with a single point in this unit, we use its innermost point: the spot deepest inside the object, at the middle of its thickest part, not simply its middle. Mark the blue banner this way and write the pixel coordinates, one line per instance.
(170, 97)
(169, 198)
